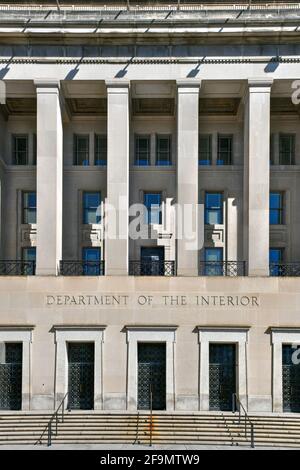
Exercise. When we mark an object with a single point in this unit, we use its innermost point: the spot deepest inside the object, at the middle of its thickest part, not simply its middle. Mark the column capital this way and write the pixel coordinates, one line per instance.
(47, 83)
(185, 85)
(260, 82)
(117, 84)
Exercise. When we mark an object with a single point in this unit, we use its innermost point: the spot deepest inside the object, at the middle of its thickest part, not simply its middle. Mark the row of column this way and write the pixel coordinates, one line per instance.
(50, 175)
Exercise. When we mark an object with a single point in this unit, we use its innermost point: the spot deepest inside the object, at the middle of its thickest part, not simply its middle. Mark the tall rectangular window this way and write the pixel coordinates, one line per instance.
(100, 150)
(152, 202)
(91, 207)
(163, 150)
(29, 254)
(29, 207)
(286, 149)
(272, 150)
(91, 257)
(20, 149)
(276, 208)
(142, 150)
(213, 208)
(225, 150)
(34, 149)
(275, 259)
(213, 261)
(29, 258)
(81, 150)
(205, 152)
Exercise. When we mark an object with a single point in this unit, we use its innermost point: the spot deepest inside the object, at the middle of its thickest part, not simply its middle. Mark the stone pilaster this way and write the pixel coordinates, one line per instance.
(116, 242)
(187, 173)
(257, 176)
(49, 177)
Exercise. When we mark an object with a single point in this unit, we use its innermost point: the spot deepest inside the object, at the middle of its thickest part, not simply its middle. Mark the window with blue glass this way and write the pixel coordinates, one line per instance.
(91, 207)
(286, 149)
(205, 152)
(213, 261)
(213, 208)
(29, 207)
(152, 203)
(91, 261)
(81, 150)
(163, 150)
(29, 254)
(224, 150)
(142, 150)
(275, 259)
(20, 149)
(29, 259)
(100, 150)
(276, 208)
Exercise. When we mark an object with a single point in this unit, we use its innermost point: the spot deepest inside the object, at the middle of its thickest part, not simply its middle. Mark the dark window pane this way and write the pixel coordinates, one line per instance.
(224, 150)
(142, 150)
(20, 149)
(81, 150)
(101, 150)
(205, 150)
(287, 149)
(163, 151)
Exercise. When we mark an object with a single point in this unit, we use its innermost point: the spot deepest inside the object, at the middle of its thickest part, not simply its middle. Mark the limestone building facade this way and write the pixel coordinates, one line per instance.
(113, 104)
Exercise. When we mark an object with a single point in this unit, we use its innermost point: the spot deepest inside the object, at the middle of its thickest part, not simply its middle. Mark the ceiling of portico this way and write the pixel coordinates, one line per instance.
(148, 98)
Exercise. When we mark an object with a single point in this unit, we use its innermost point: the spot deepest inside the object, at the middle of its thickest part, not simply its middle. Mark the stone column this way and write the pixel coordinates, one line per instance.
(116, 236)
(49, 177)
(257, 176)
(187, 173)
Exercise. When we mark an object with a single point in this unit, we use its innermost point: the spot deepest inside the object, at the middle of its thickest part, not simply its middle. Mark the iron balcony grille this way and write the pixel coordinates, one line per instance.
(17, 268)
(222, 268)
(285, 269)
(152, 268)
(82, 268)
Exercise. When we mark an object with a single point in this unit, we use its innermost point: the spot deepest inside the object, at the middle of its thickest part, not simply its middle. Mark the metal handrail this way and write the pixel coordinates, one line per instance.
(49, 426)
(236, 401)
(17, 268)
(151, 414)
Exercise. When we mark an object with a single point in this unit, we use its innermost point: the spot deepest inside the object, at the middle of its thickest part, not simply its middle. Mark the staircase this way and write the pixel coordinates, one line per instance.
(130, 428)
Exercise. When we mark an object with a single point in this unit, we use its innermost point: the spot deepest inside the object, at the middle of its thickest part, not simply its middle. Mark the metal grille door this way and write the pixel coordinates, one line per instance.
(290, 380)
(81, 376)
(222, 376)
(152, 376)
(11, 377)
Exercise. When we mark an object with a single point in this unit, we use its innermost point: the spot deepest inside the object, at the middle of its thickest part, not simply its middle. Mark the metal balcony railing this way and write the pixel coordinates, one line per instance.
(152, 268)
(222, 268)
(17, 268)
(285, 269)
(82, 268)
